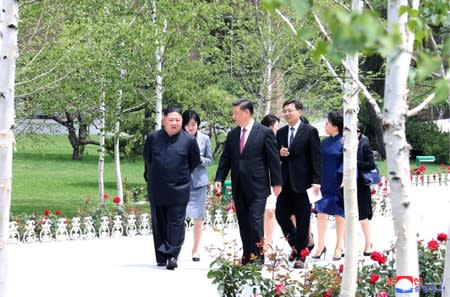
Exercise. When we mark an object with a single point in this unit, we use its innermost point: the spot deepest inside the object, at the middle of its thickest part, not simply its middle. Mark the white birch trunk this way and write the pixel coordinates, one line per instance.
(9, 54)
(351, 110)
(397, 148)
(446, 278)
(159, 57)
(101, 156)
(268, 98)
(269, 66)
(118, 171)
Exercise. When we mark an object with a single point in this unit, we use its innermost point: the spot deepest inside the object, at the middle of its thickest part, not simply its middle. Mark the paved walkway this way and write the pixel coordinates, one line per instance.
(126, 266)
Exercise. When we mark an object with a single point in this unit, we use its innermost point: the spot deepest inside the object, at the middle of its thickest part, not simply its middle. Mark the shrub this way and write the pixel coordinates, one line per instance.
(426, 139)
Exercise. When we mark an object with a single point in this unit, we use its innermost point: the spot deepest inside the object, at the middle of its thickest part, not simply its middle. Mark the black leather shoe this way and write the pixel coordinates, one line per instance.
(292, 256)
(161, 264)
(299, 264)
(172, 263)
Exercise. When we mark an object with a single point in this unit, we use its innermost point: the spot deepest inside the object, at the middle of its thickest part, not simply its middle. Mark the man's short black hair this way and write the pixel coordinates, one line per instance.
(298, 105)
(244, 104)
(171, 109)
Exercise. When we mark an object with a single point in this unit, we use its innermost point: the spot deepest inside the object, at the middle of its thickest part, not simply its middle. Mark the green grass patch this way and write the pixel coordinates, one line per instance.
(45, 176)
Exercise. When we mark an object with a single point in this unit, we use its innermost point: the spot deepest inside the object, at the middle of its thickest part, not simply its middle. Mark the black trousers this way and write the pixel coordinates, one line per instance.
(168, 230)
(292, 203)
(250, 215)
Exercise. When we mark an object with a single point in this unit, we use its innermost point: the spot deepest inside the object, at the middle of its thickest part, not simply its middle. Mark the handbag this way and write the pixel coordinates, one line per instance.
(371, 177)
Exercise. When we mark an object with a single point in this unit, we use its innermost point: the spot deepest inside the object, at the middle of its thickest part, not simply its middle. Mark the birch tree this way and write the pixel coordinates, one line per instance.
(159, 59)
(117, 168)
(351, 110)
(9, 17)
(101, 154)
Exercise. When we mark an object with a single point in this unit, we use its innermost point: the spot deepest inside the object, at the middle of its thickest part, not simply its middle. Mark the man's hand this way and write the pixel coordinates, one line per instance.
(218, 187)
(316, 189)
(277, 190)
(284, 152)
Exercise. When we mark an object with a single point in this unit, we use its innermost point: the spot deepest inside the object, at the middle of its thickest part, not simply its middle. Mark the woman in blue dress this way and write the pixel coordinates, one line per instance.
(331, 203)
(197, 200)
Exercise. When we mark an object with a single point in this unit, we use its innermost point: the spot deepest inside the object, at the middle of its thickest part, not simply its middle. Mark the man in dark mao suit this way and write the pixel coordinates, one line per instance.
(251, 153)
(299, 145)
(170, 156)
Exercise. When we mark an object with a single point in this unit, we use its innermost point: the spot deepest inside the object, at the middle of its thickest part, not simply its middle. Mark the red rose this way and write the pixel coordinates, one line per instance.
(442, 237)
(380, 184)
(374, 278)
(279, 288)
(105, 196)
(304, 253)
(230, 206)
(58, 212)
(382, 294)
(47, 212)
(378, 257)
(326, 294)
(373, 192)
(433, 245)
(341, 268)
(116, 200)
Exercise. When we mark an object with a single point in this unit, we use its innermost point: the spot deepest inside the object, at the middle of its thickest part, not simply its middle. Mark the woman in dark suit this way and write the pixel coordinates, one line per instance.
(365, 162)
(197, 201)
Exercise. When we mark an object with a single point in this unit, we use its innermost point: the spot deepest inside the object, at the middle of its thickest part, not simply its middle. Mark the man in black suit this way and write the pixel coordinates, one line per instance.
(170, 156)
(299, 145)
(251, 153)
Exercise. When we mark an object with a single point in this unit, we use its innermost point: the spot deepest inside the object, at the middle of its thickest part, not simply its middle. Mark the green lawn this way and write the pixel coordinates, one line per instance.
(45, 177)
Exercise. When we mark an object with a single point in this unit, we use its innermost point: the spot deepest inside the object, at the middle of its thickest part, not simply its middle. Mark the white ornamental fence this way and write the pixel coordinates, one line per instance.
(130, 225)
(85, 228)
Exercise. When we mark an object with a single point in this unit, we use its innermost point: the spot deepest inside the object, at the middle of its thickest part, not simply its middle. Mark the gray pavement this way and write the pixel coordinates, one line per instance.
(125, 266)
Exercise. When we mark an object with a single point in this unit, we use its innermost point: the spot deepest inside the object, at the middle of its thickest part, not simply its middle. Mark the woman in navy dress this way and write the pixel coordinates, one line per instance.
(331, 203)
(197, 200)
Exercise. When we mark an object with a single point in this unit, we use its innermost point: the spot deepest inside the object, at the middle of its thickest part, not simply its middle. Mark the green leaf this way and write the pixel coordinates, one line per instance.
(321, 49)
(403, 9)
(302, 7)
(426, 64)
(272, 4)
(442, 91)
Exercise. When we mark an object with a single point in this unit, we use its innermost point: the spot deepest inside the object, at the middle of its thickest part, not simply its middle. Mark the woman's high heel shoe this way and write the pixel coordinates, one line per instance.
(323, 252)
(337, 258)
(368, 254)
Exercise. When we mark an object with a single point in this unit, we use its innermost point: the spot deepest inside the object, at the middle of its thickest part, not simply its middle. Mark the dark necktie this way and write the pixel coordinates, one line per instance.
(291, 137)
(242, 141)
